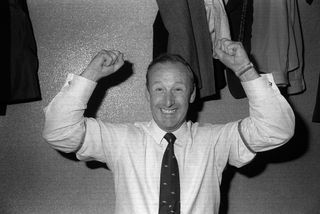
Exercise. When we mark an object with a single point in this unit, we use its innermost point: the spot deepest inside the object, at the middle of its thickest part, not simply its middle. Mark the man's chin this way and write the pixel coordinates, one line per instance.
(169, 127)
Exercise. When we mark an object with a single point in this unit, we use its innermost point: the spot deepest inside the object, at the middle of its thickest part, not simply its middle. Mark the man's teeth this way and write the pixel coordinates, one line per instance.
(168, 111)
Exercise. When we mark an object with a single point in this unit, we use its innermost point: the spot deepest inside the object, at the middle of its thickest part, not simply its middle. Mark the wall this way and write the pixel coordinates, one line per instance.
(36, 179)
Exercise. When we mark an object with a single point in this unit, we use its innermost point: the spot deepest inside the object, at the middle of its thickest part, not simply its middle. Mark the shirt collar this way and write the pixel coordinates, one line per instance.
(182, 134)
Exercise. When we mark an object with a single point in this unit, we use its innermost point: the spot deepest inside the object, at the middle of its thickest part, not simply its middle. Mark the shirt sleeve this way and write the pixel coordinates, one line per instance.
(271, 121)
(64, 127)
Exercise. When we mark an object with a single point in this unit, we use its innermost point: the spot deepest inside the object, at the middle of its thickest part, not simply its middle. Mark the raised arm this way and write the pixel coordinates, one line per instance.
(271, 121)
(64, 127)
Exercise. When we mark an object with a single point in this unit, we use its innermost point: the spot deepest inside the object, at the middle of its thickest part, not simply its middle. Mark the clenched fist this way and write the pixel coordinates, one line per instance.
(103, 64)
(233, 55)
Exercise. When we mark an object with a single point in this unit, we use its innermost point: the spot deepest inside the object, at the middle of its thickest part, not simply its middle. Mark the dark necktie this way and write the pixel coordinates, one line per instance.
(169, 201)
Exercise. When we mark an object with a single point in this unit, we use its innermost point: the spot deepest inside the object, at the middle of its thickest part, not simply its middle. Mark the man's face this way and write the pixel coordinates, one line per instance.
(170, 92)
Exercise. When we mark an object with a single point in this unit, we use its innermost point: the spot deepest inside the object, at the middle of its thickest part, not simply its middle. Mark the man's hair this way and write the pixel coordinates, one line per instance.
(171, 58)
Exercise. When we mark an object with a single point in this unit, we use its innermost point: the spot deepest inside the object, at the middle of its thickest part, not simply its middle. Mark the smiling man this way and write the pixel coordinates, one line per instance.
(170, 85)
(169, 164)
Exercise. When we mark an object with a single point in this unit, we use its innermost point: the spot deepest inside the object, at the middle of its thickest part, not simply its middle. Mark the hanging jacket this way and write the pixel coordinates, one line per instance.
(22, 72)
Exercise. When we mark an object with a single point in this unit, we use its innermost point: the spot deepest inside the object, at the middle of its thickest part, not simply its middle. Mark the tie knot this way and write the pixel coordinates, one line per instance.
(170, 138)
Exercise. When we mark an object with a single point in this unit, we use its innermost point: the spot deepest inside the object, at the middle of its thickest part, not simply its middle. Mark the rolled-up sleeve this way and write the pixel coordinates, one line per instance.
(64, 126)
(271, 121)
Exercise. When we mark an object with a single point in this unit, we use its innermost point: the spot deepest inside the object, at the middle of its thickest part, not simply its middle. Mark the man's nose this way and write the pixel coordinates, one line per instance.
(169, 99)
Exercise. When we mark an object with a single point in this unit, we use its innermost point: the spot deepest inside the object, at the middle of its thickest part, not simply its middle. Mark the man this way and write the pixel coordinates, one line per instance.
(137, 153)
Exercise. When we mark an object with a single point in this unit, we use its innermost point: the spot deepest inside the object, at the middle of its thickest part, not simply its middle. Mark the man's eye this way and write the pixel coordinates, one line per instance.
(158, 89)
(178, 89)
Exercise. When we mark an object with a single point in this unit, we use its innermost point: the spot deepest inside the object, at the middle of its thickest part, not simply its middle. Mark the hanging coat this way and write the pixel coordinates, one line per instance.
(21, 75)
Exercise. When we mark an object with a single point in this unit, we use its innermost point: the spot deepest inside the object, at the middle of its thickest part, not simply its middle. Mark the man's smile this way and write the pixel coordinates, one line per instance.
(168, 111)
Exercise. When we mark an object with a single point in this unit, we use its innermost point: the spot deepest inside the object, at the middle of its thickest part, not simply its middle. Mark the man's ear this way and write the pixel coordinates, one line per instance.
(193, 94)
(147, 94)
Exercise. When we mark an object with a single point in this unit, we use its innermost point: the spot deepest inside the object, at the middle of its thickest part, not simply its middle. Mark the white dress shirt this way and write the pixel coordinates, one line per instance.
(134, 151)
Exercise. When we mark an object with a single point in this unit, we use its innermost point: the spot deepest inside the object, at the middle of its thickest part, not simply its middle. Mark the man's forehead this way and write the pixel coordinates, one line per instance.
(170, 67)
(174, 67)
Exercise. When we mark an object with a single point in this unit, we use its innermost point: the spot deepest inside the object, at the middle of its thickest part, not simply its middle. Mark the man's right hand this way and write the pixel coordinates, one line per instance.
(103, 64)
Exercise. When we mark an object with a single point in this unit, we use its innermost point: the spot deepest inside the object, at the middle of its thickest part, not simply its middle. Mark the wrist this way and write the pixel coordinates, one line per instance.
(89, 74)
(249, 74)
(243, 69)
